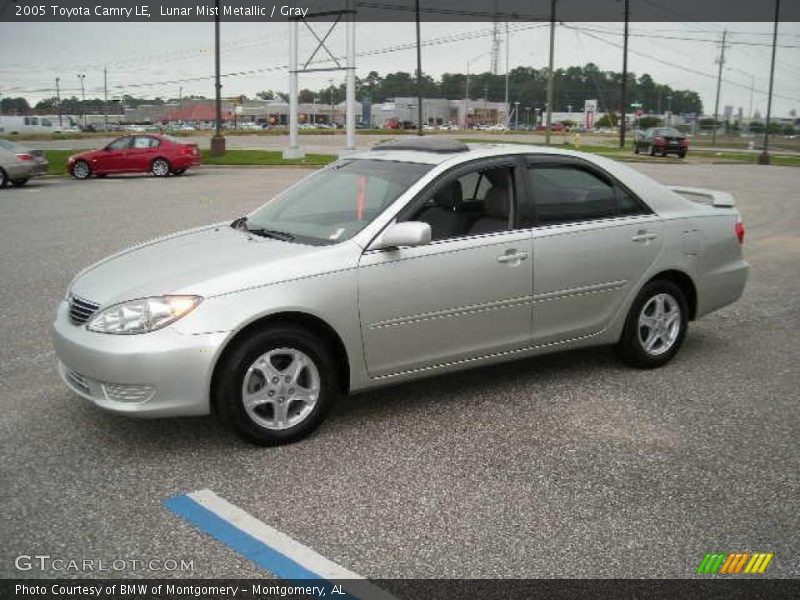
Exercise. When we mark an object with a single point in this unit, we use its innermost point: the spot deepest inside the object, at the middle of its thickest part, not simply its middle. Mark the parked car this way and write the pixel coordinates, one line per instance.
(157, 154)
(421, 256)
(18, 163)
(660, 140)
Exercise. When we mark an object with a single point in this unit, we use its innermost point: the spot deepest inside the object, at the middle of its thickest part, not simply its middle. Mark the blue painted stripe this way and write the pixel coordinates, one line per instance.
(245, 544)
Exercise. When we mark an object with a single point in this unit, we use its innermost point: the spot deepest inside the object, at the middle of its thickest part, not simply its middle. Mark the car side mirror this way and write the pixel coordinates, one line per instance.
(409, 233)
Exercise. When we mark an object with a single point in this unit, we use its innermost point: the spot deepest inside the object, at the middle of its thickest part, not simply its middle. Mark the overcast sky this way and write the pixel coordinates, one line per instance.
(155, 59)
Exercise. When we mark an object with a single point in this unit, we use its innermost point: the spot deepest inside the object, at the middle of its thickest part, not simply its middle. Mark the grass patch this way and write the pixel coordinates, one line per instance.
(263, 158)
(57, 160)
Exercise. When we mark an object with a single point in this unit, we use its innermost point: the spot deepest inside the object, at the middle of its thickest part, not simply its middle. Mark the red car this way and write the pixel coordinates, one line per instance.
(156, 154)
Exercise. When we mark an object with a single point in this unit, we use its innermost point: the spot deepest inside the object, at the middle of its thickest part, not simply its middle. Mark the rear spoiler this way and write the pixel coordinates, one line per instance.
(712, 197)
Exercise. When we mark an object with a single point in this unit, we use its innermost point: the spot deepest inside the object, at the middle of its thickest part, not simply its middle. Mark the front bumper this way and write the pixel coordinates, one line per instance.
(159, 374)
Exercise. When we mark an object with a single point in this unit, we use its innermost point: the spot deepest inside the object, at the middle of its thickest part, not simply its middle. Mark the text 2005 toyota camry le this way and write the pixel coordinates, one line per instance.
(412, 259)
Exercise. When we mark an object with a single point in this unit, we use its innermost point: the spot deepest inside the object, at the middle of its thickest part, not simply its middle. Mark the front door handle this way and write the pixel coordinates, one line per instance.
(512, 256)
(644, 236)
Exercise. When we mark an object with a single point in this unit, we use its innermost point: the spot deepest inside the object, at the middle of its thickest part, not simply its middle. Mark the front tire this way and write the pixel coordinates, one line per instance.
(81, 170)
(3, 179)
(160, 167)
(635, 148)
(276, 386)
(655, 327)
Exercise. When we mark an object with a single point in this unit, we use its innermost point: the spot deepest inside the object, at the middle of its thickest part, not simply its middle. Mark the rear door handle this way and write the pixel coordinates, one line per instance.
(512, 256)
(644, 236)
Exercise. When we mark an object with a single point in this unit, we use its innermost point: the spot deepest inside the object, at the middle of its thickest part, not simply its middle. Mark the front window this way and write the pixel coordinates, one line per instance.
(336, 203)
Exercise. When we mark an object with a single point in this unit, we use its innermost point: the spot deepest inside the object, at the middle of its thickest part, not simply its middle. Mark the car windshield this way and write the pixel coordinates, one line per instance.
(336, 203)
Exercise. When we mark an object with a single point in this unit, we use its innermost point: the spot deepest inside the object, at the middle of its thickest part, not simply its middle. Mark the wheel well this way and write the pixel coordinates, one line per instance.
(299, 319)
(683, 281)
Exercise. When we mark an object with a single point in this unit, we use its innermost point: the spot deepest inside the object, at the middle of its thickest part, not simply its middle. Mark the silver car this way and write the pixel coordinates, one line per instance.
(418, 257)
(18, 163)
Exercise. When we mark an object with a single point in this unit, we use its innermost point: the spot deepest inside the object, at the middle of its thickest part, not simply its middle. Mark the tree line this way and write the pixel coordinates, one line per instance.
(526, 85)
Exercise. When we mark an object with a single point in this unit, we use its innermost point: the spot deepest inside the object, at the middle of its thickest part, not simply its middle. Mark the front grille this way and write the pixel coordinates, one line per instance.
(81, 310)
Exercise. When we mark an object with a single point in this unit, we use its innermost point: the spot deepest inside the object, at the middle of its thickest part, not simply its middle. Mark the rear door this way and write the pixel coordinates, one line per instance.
(141, 153)
(593, 241)
(466, 294)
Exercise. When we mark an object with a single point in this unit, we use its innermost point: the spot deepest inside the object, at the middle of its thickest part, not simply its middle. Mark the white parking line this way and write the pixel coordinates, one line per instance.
(265, 546)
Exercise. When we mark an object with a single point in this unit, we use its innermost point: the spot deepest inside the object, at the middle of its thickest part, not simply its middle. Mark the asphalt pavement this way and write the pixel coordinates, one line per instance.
(571, 465)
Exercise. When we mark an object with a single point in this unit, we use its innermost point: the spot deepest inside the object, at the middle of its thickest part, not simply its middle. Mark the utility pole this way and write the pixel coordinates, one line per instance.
(58, 101)
(508, 45)
(82, 76)
(719, 85)
(623, 111)
(419, 74)
(516, 115)
(550, 77)
(105, 97)
(763, 158)
(350, 81)
(294, 150)
(218, 140)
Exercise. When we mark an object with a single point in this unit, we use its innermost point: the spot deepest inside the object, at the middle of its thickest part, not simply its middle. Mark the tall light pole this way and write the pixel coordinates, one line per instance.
(105, 98)
(419, 74)
(508, 67)
(623, 102)
(58, 100)
(218, 140)
(516, 115)
(528, 116)
(550, 75)
(763, 158)
(719, 86)
(81, 77)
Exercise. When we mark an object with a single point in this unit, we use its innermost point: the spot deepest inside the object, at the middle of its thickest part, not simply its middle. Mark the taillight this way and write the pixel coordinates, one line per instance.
(658, 140)
(685, 143)
(24, 156)
(738, 229)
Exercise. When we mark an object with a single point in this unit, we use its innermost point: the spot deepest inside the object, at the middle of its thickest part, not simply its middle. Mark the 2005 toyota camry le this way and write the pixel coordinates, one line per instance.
(412, 259)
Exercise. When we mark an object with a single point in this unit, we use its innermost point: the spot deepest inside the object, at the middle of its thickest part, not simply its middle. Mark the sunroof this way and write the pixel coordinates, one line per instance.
(423, 144)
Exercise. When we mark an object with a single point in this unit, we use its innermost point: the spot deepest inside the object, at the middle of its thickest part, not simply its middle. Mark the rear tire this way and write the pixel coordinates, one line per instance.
(655, 327)
(635, 148)
(3, 179)
(19, 182)
(179, 171)
(682, 155)
(160, 167)
(289, 377)
(652, 150)
(81, 170)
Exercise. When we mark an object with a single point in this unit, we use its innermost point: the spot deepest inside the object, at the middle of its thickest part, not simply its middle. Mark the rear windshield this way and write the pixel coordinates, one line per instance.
(335, 203)
(6, 145)
(668, 131)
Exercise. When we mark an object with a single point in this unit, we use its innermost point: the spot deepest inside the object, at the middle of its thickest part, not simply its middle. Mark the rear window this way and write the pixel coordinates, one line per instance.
(668, 131)
(6, 145)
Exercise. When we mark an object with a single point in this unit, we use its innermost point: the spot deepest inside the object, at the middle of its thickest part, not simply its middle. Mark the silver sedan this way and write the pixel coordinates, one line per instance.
(18, 164)
(415, 258)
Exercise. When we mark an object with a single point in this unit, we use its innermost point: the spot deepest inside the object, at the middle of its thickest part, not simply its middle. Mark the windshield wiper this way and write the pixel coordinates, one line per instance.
(284, 236)
(239, 223)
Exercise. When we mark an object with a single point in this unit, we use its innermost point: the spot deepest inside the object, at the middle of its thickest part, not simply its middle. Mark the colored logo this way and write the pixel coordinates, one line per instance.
(734, 563)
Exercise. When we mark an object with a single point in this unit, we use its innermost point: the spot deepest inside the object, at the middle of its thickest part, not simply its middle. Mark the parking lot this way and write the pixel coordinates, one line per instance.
(570, 465)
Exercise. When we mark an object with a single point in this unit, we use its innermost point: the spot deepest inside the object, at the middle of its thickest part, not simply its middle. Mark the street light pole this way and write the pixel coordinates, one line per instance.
(763, 158)
(516, 115)
(419, 74)
(81, 77)
(58, 100)
(218, 140)
(624, 95)
(550, 77)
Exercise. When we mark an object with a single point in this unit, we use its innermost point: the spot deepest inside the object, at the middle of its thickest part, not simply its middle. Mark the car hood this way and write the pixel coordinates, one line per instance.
(207, 261)
(85, 155)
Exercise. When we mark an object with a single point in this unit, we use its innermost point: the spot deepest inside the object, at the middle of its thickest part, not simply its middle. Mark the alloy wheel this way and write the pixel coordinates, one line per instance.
(160, 167)
(281, 388)
(659, 324)
(80, 170)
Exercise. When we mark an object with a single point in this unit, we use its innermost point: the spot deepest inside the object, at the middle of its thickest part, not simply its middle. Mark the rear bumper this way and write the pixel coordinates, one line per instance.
(26, 169)
(722, 287)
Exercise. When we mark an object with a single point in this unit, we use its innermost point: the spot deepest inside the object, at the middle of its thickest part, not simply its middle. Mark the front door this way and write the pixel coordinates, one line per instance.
(465, 295)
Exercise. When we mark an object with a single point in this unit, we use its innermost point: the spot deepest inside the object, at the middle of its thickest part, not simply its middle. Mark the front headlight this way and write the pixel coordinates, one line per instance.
(143, 315)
